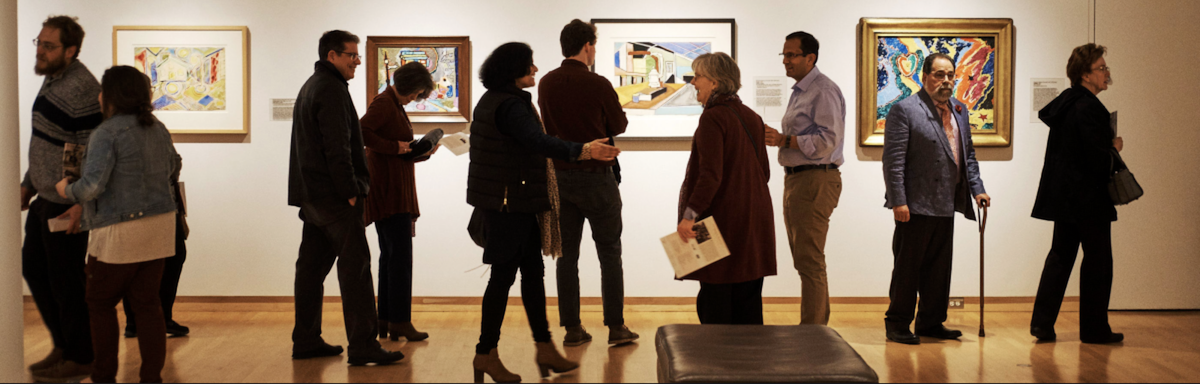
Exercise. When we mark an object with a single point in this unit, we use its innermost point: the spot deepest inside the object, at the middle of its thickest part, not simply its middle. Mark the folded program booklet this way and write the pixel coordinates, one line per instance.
(708, 247)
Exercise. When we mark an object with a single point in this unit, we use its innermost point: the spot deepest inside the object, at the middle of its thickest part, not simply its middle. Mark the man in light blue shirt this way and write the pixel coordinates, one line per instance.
(810, 152)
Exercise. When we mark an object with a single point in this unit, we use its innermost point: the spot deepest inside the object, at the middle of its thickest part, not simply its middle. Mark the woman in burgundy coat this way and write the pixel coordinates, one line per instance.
(392, 201)
(726, 179)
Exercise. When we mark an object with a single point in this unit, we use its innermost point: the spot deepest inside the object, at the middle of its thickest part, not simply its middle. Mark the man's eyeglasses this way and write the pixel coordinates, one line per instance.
(353, 55)
(792, 55)
(45, 45)
(942, 75)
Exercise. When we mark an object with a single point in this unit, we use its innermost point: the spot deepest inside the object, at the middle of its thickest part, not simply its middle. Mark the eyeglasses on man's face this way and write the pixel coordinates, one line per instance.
(940, 75)
(45, 45)
(792, 55)
(353, 55)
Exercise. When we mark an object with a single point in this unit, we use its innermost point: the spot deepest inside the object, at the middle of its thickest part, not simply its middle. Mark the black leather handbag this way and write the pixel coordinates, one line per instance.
(1122, 187)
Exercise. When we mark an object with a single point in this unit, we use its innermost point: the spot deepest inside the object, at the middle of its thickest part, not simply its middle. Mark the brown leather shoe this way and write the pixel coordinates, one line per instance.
(54, 357)
(620, 334)
(63, 372)
(576, 335)
(491, 365)
(407, 331)
(548, 359)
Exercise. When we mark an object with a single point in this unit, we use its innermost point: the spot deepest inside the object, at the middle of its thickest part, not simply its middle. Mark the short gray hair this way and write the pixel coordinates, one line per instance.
(722, 69)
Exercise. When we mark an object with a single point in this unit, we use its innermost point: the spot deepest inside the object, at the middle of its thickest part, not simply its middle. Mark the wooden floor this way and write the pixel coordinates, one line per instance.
(251, 343)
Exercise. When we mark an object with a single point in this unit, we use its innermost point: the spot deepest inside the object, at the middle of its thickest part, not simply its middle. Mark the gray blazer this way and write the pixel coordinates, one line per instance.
(918, 165)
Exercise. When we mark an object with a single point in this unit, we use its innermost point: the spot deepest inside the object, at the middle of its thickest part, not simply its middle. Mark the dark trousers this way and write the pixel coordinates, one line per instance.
(923, 249)
(53, 266)
(395, 268)
(527, 260)
(107, 284)
(172, 269)
(596, 198)
(737, 303)
(1095, 276)
(341, 238)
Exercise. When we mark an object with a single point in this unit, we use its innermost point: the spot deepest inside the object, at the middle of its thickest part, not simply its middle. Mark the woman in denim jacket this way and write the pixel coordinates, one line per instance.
(125, 190)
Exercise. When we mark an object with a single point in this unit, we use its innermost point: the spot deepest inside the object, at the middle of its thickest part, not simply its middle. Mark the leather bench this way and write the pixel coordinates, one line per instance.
(689, 353)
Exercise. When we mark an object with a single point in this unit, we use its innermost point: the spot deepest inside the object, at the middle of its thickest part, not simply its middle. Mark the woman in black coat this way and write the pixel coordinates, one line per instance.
(510, 185)
(1073, 193)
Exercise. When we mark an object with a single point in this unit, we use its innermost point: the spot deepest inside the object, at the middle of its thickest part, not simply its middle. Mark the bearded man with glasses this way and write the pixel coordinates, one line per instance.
(930, 172)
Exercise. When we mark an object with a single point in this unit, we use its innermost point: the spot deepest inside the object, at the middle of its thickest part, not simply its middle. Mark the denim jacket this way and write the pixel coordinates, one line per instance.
(126, 174)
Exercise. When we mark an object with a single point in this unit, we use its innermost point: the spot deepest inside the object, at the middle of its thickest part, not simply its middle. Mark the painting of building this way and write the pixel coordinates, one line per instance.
(184, 78)
(654, 78)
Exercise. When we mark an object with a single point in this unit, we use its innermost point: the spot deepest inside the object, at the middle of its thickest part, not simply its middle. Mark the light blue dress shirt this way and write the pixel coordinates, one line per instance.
(816, 115)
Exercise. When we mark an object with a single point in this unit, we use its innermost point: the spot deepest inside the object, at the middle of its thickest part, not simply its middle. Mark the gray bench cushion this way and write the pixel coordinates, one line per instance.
(757, 353)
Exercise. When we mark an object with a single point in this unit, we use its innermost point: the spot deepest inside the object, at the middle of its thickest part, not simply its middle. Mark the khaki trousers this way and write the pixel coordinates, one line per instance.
(809, 198)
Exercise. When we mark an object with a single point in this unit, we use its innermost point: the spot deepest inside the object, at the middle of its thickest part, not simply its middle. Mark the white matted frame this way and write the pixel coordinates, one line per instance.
(234, 117)
(720, 33)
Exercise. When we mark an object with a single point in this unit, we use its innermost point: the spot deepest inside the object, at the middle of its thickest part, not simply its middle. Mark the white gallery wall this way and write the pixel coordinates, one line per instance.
(244, 236)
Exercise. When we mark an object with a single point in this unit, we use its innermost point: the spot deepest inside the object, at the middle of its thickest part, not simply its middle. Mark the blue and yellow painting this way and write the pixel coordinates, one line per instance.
(184, 78)
(442, 63)
(654, 78)
(898, 72)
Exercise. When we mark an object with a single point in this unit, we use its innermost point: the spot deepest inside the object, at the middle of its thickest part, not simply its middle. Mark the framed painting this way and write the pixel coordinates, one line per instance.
(892, 51)
(199, 76)
(649, 63)
(448, 60)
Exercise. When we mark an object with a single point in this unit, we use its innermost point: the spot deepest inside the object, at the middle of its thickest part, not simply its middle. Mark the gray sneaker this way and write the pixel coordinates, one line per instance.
(620, 334)
(576, 336)
(66, 371)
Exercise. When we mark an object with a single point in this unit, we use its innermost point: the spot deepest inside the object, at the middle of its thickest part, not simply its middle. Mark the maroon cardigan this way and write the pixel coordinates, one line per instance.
(393, 182)
(727, 180)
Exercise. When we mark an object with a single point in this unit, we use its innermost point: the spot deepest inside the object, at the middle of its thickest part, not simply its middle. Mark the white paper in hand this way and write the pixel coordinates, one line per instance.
(458, 143)
(708, 247)
(59, 225)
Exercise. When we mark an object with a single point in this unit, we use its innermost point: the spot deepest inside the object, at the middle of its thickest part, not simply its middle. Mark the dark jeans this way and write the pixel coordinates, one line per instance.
(395, 268)
(340, 238)
(172, 269)
(528, 260)
(923, 249)
(106, 285)
(596, 198)
(1095, 276)
(53, 266)
(737, 303)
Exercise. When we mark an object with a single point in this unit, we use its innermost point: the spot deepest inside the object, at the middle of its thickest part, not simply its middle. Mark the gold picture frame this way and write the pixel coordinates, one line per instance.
(206, 68)
(982, 48)
(448, 56)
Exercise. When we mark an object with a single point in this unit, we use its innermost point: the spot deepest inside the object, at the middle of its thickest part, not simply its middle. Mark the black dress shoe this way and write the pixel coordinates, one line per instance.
(1043, 334)
(941, 332)
(380, 357)
(1109, 339)
(325, 350)
(901, 334)
(176, 330)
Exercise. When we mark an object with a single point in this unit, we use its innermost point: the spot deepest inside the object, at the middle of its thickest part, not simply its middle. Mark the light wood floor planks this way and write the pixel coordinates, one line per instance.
(251, 343)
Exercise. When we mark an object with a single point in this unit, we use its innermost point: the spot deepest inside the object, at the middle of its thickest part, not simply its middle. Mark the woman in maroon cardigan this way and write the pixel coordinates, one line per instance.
(726, 179)
(392, 201)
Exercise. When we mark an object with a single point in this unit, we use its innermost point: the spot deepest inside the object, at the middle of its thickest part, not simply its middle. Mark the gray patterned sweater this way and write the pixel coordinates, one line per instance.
(66, 111)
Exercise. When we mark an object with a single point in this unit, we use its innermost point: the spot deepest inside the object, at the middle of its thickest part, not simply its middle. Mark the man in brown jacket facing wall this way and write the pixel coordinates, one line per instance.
(581, 106)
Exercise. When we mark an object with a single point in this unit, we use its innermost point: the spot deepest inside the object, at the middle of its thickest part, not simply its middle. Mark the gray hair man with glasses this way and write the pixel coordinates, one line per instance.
(810, 151)
(930, 172)
(65, 112)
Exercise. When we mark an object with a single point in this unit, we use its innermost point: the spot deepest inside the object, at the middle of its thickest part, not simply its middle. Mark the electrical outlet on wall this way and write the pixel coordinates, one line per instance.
(957, 302)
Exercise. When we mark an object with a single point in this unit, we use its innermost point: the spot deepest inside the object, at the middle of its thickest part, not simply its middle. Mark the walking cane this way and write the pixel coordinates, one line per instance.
(982, 216)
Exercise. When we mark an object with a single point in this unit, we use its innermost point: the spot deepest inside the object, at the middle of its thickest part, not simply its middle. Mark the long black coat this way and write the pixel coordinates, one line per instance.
(1074, 185)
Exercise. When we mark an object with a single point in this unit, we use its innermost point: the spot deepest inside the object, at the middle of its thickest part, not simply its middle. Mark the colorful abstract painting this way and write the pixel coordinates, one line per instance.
(184, 78)
(898, 72)
(442, 63)
(654, 78)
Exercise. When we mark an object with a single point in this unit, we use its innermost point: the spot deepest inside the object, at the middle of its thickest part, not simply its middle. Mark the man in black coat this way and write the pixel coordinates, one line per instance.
(328, 180)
